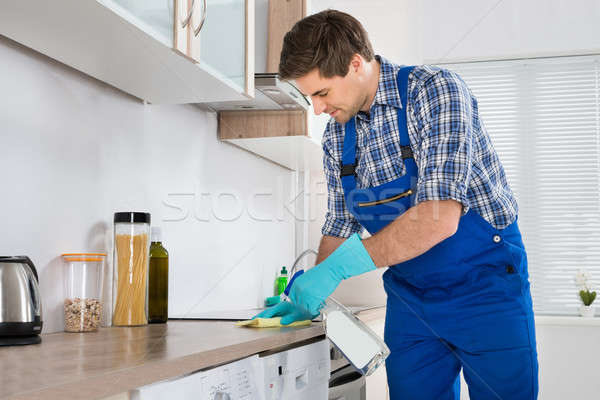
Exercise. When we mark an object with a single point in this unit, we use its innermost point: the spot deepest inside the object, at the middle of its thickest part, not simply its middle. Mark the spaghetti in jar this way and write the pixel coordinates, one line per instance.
(130, 268)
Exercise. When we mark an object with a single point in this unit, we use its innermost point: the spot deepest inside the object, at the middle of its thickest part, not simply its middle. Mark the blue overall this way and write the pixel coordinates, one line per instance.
(465, 303)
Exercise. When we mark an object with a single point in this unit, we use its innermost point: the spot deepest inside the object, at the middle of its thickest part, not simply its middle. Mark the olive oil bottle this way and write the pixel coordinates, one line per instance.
(158, 288)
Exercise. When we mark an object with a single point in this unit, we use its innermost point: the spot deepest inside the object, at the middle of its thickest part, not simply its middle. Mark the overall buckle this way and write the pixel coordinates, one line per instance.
(348, 169)
(406, 152)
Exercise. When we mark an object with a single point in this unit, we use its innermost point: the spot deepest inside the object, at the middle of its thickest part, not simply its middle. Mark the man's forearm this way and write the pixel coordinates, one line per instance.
(414, 232)
(327, 246)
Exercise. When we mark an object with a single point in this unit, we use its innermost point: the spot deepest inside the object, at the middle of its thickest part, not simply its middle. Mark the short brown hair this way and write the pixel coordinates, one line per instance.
(327, 41)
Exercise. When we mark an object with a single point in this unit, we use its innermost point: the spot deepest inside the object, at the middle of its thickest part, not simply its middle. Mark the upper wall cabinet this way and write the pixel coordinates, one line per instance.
(161, 51)
(291, 139)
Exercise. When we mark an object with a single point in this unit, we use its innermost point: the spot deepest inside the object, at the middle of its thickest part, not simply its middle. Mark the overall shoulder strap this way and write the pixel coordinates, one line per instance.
(402, 81)
(348, 167)
(348, 164)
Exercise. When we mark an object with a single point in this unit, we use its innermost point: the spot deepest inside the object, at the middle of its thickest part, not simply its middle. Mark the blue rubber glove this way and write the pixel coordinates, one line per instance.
(288, 312)
(310, 289)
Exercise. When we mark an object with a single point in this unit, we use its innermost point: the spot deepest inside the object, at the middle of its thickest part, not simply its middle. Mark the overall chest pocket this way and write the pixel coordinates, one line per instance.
(386, 198)
(388, 192)
(380, 172)
(383, 203)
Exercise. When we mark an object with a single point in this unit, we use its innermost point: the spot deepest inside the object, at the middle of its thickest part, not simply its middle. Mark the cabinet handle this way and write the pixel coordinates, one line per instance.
(188, 17)
(199, 28)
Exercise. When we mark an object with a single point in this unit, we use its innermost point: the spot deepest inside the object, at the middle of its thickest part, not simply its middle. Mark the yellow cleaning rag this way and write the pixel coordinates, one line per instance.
(269, 323)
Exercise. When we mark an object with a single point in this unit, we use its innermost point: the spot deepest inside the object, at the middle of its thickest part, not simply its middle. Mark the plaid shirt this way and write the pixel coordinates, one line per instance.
(452, 149)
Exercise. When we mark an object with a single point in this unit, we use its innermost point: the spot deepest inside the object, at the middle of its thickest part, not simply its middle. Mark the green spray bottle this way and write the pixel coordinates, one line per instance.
(281, 281)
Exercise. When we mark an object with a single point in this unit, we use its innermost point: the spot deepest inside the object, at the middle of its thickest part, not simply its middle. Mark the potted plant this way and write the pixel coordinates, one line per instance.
(586, 295)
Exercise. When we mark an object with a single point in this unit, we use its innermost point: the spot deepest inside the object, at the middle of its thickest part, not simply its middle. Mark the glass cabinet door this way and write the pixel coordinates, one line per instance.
(155, 17)
(220, 45)
(216, 34)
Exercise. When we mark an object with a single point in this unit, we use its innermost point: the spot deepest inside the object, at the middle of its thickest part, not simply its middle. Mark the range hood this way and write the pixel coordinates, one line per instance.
(271, 93)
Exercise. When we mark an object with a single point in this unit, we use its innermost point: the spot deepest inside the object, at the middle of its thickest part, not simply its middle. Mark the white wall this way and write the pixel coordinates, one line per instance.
(393, 26)
(491, 29)
(568, 355)
(75, 151)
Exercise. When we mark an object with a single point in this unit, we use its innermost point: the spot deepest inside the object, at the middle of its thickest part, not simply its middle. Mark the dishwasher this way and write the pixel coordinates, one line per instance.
(303, 373)
(295, 372)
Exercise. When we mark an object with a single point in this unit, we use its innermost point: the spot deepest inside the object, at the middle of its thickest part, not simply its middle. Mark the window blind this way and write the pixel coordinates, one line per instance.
(543, 116)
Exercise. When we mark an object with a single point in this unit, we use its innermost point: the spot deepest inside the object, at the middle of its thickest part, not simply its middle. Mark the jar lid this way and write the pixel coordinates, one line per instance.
(132, 217)
(84, 256)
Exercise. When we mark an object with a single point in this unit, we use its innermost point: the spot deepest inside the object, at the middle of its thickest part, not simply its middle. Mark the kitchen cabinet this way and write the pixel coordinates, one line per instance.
(289, 138)
(155, 17)
(149, 48)
(283, 137)
(213, 33)
(221, 44)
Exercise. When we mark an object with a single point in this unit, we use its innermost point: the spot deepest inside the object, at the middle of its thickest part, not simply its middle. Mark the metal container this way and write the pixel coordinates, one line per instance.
(20, 302)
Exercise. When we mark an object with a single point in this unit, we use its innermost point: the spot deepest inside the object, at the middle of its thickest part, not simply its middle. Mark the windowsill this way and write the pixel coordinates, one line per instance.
(566, 320)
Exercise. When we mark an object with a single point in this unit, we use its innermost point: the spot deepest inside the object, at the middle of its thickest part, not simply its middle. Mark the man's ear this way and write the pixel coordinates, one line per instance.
(356, 62)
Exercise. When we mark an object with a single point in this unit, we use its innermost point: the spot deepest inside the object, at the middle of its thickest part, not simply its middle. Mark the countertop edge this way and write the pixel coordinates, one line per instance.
(123, 380)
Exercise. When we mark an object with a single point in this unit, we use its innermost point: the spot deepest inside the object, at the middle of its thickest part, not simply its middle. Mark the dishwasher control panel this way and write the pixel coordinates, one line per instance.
(233, 381)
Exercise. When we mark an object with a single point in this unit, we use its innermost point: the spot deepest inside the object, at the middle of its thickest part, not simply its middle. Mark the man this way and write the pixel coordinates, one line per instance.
(407, 157)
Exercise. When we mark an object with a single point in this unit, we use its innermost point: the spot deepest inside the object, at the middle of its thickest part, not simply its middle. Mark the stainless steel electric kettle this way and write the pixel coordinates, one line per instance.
(20, 302)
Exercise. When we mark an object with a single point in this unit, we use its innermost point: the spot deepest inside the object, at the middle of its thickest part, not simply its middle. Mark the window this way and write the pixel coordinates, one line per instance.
(543, 116)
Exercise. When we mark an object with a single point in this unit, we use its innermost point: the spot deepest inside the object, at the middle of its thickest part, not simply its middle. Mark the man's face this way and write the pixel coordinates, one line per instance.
(340, 97)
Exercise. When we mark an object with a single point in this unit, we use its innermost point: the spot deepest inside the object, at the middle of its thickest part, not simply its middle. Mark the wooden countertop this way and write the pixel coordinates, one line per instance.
(113, 360)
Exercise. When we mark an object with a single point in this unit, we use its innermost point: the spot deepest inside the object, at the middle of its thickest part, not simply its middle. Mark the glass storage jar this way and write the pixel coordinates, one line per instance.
(130, 268)
(83, 306)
